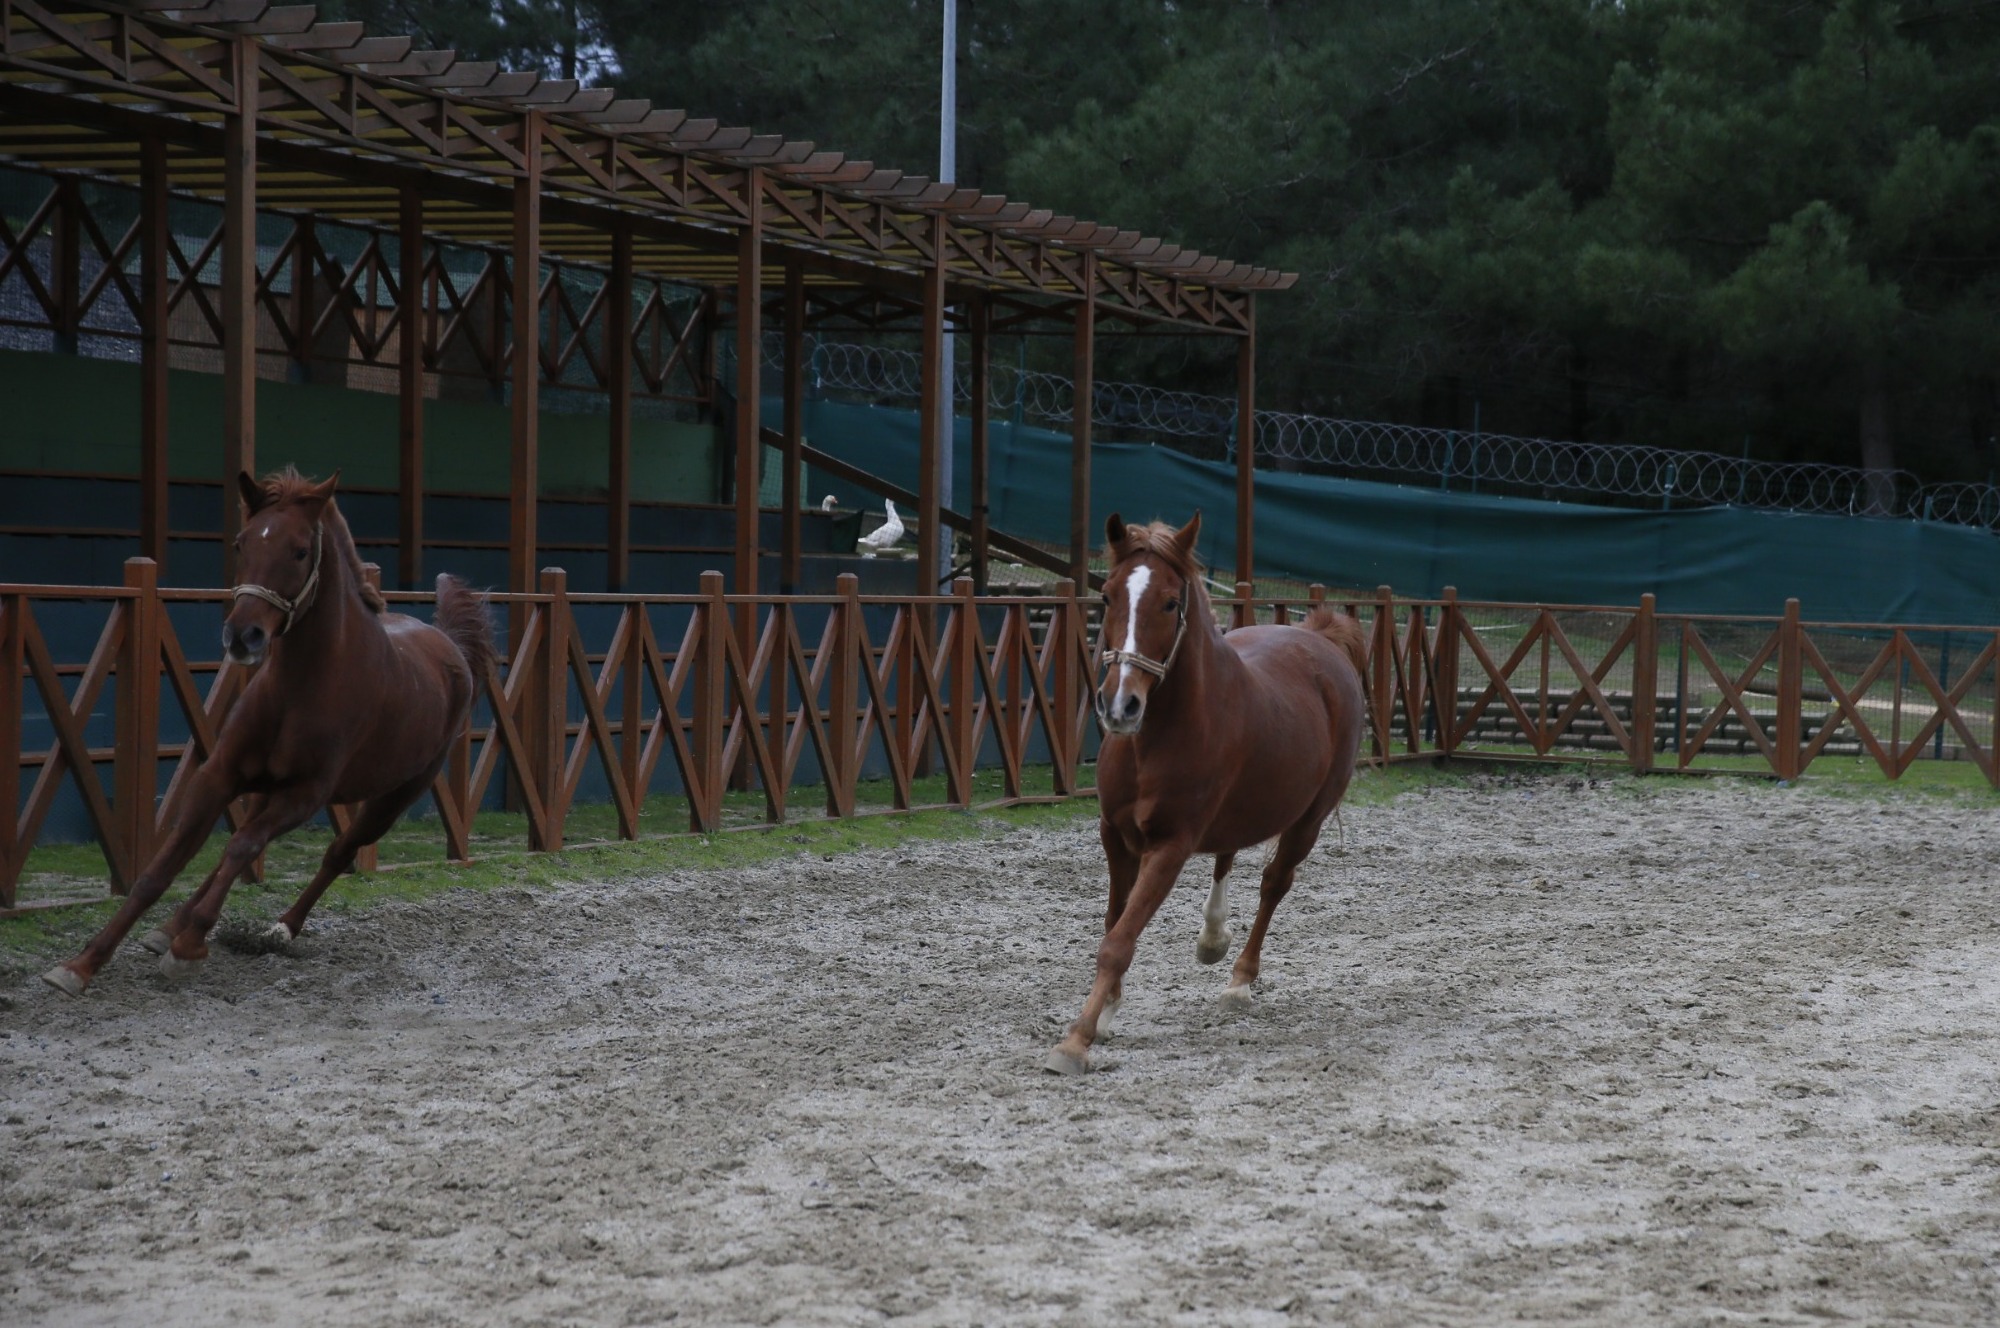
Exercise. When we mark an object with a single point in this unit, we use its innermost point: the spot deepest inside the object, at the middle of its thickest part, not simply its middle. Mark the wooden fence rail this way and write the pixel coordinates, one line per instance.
(686, 696)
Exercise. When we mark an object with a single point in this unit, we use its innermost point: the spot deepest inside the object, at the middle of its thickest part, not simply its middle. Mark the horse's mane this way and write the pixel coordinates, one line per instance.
(287, 484)
(1158, 539)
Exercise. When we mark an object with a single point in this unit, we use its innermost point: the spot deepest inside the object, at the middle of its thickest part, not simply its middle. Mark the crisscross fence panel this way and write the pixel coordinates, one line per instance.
(110, 699)
(618, 698)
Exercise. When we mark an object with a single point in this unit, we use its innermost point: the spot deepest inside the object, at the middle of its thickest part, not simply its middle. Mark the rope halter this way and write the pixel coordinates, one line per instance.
(1143, 663)
(295, 606)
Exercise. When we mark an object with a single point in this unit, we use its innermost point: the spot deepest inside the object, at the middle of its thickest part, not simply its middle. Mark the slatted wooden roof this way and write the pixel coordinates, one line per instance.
(346, 120)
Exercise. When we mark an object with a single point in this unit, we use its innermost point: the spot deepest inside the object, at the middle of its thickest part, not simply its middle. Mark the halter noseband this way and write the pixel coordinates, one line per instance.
(295, 606)
(1158, 668)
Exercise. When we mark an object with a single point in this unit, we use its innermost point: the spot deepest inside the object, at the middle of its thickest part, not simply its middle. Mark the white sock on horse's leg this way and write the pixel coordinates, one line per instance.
(1213, 942)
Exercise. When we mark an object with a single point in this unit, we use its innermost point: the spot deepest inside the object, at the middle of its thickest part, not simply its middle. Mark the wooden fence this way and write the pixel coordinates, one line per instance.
(684, 696)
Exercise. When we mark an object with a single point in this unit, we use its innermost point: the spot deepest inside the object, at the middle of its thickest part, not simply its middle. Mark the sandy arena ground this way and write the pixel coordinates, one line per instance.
(1546, 1051)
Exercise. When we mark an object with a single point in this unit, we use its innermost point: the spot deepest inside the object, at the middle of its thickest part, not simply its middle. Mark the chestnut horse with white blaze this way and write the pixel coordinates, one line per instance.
(1212, 744)
(348, 704)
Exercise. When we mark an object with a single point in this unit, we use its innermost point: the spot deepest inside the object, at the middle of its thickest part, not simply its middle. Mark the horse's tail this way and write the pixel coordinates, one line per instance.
(462, 616)
(1343, 631)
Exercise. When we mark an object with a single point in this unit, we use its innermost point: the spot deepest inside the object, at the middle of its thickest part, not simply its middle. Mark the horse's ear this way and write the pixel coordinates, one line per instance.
(252, 491)
(321, 492)
(1185, 536)
(1114, 531)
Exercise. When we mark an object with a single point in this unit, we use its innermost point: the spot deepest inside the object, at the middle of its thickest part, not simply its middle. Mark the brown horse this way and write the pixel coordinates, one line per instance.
(348, 704)
(1212, 744)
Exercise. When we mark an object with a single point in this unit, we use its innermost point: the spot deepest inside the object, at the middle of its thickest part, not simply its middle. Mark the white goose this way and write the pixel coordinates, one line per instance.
(883, 536)
(826, 504)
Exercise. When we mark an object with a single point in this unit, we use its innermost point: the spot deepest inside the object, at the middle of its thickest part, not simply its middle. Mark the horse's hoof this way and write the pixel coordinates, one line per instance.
(1238, 997)
(279, 934)
(180, 970)
(1063, 1061)
(1104, 1019)
(1211, 952)
(157, 940)
(65, 980)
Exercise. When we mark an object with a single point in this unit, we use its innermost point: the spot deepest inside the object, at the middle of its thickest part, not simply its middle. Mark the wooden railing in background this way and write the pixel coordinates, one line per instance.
(742, 687)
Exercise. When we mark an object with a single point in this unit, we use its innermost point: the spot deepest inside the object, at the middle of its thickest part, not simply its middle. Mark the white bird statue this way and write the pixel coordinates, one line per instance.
(826, 503)
(883, 536)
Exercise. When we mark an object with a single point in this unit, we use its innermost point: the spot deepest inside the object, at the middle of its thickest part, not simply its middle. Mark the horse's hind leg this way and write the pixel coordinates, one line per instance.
(1292, 848)
(372, 820)
(1213, 943)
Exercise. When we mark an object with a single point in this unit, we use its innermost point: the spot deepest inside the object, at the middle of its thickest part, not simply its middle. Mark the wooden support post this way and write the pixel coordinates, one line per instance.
(618, 385)
(1246, 447)
(844, 696)
(239, 297)
(632, 713)
(66, 263)
(550, 716)
(524, 486)
(1645, 683)
(412, 333)
(711, 714)
(135, 761)
(964, 690)
(304, 308)
(155, 294)
(933, 397)
(1791, 689)
(369, 857)
(790, 563)
(982, 380)
(1083, 391)
(749, 403)
(1242, 611)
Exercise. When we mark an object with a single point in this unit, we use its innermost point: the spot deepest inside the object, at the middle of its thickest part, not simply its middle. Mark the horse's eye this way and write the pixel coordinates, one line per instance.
(298, 555)
(1171, 606)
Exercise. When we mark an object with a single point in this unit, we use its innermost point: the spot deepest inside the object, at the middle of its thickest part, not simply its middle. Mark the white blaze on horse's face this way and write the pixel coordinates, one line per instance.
(1134, 620)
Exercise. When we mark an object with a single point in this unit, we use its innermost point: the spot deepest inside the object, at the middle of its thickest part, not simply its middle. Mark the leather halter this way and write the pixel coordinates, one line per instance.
(1158, 668)
(298, 604)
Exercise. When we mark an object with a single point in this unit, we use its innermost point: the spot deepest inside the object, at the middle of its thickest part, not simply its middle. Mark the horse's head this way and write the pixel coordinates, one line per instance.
(278, 558)
(1147, 601)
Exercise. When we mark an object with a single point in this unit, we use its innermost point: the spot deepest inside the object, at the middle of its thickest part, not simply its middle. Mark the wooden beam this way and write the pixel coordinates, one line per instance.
(931, 400)
(749, 356)
(410, 388)
(794, 423)
(1083, 389)
(1246, 449)
(239, 298)
(155, 288)
(982, 354)
(618, 373)
(524, 486)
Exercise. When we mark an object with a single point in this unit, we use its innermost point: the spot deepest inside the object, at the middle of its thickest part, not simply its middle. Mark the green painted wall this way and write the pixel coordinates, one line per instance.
(73, 413)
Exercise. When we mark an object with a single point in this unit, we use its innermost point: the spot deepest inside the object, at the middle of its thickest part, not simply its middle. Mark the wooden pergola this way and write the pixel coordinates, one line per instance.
(262, 107)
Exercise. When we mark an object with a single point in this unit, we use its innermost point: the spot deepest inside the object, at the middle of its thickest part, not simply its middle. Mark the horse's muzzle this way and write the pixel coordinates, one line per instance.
(1122, 714)
(247, 646)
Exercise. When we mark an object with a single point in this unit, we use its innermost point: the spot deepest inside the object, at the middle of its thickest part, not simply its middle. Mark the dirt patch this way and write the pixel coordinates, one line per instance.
(1633, 1052)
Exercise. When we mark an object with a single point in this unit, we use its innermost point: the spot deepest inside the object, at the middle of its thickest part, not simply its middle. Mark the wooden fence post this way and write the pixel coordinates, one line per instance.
(711, 711)
(844, 696)
(1242, 613)
(1645, 683)
(1445, 693)
(13, 658)
(136, 763)
(1382, 668)
(1791, 688)
(1066, 687)
(550, 742)
(964, 679)
(632, 714)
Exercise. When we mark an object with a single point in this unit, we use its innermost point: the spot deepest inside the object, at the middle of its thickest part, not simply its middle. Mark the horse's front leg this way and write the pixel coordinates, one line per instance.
(283, 810)
(1123, 864)
(1159, 868)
